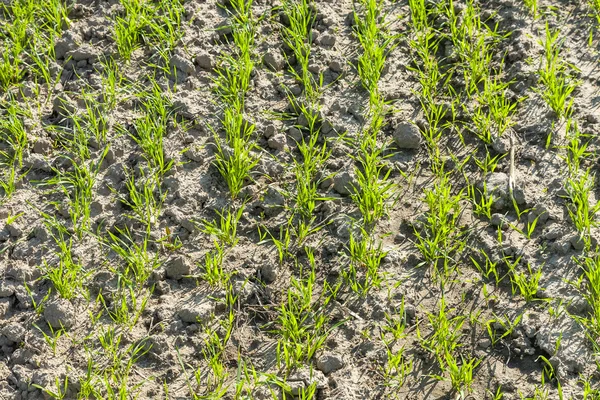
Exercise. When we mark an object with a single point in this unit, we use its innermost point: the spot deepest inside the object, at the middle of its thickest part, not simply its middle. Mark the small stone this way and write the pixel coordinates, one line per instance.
(42, 146)
(399, 238)
(295, 134)
(561, 247)
(336, 66)
(410, 311)
(14, 229)
(553, 233)
(37, 162)
(6, 289)
(269, 131)
(205, 61)
(224, 28)
(302, 121)
(14, 332)
(327, 40)
(60, 313)
(407, 136)
(273, 60)
(499, 220)
(5, 304)
(177, 268)
(63, 45)
(269, 272)
(592, 118)
(182, 64)
(196, 311)
(329, 362)
(501, 145)
(277, 142)
(484, 343)
(344, 183)
(85, 52)
(539, 212)
(62, 105)
(577, 242)
(497, 186)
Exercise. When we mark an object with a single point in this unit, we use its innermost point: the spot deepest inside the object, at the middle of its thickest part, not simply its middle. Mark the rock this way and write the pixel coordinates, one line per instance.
(269, 272)
(327, 40)
(303, 378)
(224, 28)
(14, 332)
(277, 142)
(344, 183)
(246, 291)
(336, 66)
(407, 136)
(177, 268)
(329, 362)
(182, 64)
(501, 144)
(554, 232)
(539, 212)
(499, 220)
(205, 61)
(42, 146)
(6, 289)
(188, 105)
(273, 60)
(14, 229)
(60, 313)
(269, 131)
(497, 186)
(5, 304)
(84, 52)
(65, 44)
(577, 242)
(36, 162)
(302, 121)
(295, 134)
(63, 105)
(198, 310)
(571, 356)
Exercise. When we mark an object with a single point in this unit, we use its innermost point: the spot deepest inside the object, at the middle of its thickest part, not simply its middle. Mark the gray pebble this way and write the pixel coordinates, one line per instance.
(407, 136)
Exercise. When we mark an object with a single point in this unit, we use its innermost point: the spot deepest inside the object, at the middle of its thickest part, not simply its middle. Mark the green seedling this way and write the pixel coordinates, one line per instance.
(297, 36)
(527, 283)
(13, 143)
(138, 264)
(460, 371)
(61, 389)
(582, 212)
(225, 228)
(67, 275)
(365, 256)
(555, 76)
(302, 322)
(52, 338)
(508, 327)
(144, 198)
(445, 331)
(438, 235)
(213, 272)
(488, 268)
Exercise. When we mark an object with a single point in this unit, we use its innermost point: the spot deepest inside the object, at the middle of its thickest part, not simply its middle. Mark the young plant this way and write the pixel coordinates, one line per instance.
(364, 254)
(302, 322)
(438, 235)
(555, 76)
(13, 143)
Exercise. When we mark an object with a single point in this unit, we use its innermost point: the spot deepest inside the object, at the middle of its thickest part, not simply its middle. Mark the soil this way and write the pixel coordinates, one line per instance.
(182, 305)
